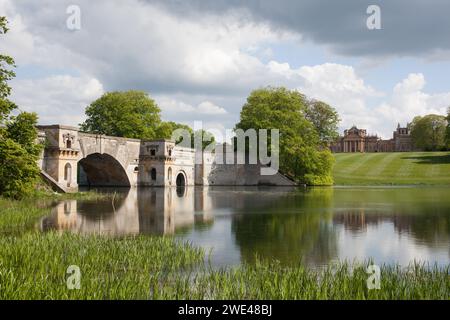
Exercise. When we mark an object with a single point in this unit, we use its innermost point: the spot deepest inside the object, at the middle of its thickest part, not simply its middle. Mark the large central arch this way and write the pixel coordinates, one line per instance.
(102, 170)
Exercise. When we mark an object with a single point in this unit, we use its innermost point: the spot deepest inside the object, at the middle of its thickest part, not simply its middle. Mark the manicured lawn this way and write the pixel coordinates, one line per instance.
(393, 168)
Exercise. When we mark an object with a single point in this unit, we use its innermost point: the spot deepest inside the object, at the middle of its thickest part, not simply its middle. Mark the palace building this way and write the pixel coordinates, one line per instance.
(357, 140)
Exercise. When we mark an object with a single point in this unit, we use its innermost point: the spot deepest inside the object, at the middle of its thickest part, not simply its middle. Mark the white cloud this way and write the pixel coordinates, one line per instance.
(207, 107)
(408, 100)
(148, 47)
(170, 106)
(58, 99)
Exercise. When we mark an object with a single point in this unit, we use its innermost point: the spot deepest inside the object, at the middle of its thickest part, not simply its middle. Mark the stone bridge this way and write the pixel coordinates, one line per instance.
(72, 158)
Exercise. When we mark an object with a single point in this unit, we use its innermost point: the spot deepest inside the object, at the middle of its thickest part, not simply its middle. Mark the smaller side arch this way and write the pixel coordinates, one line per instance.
(181, 179)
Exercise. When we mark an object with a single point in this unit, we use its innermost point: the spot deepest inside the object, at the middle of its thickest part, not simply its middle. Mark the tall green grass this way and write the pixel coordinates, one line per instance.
(34, 265)
(270, 280)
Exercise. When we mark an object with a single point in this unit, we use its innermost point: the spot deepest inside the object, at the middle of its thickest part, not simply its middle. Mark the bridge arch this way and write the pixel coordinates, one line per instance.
(102, 170)
(181, 179)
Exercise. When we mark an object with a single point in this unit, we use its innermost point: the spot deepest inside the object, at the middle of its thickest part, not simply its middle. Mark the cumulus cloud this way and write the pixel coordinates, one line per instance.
(59, 99)
(170, 106)
(208, 107)
(408, 100)
(149, 47)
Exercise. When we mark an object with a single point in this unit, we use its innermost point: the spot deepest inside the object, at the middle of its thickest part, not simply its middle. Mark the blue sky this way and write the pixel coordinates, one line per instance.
(200, 59)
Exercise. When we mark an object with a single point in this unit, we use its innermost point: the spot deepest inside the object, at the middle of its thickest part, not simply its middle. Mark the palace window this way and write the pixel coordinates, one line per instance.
(152, 152)
(153, 174)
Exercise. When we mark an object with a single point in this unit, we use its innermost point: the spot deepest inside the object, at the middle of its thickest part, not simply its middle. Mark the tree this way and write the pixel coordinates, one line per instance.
(19, 151)
(301, 154)
(130, 114)
(325, 119)
(428, 132)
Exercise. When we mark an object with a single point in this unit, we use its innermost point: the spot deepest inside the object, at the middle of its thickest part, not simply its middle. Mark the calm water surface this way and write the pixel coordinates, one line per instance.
(316, 226)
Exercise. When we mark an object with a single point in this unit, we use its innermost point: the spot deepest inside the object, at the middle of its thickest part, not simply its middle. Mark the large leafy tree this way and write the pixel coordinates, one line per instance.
(301, 153)
(131, 114)
(428, 132)
(325, 119)
(19, 150)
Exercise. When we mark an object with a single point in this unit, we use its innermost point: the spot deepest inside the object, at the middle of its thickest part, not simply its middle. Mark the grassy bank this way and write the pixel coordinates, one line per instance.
(33, 265)
(397, 168)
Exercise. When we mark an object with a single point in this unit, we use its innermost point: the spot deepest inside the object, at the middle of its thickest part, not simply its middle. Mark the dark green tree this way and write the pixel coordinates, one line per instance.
(130, 114)
(302, 155)
(19, 150)
(428, 132)
(325, 119)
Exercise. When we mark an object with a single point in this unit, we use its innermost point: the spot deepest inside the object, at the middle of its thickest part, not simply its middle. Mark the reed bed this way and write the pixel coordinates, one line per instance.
(341, 281)
(34, 265)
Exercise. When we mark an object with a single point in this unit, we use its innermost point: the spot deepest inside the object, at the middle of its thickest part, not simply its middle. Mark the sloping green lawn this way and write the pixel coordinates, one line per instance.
(393, 168)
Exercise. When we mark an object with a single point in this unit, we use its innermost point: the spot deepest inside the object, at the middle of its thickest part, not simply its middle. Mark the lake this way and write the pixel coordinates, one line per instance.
(317, 226)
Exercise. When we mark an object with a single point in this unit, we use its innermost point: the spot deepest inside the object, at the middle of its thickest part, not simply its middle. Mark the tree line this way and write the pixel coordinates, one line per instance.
(431, 132)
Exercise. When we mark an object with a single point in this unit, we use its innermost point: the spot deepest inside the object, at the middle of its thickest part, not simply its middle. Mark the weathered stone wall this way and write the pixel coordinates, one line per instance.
(222, 169)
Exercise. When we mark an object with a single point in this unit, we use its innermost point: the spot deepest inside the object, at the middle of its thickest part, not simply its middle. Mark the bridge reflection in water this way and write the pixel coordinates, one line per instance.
(314, 225)
(157, 211)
